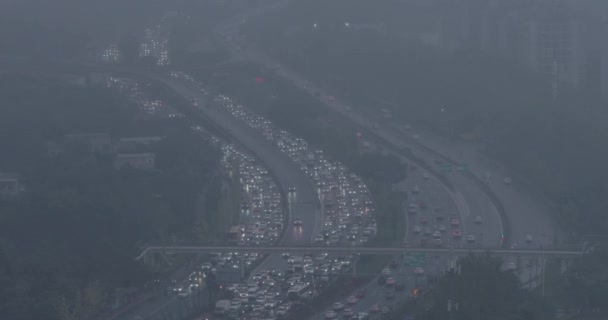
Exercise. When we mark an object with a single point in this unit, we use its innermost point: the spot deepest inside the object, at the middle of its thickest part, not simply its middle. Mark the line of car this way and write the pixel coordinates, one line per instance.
(347, 204)
(349, 218)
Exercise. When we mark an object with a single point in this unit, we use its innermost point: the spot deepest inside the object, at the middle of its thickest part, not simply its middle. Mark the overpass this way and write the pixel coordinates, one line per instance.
(358, 250)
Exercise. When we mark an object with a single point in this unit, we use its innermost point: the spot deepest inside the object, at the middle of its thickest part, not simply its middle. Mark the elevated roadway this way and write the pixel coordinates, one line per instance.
(358, 250)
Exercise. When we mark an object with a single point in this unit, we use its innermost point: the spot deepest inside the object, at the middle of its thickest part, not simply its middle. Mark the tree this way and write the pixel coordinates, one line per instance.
(479, 289)
(584, 285)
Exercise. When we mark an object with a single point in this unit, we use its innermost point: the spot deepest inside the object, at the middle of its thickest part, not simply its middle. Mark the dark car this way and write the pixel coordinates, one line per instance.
(390, 295)
(399, 286)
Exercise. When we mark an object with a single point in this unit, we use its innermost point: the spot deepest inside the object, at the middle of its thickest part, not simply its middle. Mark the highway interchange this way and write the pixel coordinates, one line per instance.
(528, 217)
(527, 214)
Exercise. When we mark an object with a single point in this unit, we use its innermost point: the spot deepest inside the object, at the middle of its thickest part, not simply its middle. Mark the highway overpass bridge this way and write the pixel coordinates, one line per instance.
(344, 250)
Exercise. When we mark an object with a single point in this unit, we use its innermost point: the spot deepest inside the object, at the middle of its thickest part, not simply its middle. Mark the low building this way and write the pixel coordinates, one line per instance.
(96, 142)
(141, 161)
(9, 184)
(132, 144)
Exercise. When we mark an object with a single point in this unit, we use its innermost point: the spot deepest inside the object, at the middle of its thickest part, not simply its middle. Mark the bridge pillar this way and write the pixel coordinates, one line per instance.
(147, 259)
(565, 263)
(355, 268)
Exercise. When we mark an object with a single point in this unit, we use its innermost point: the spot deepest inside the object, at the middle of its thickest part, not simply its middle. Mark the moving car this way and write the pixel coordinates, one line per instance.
(416, 189)
(337, 306)
(454, 222)
(374, 309)
(297, 222)
(348, 313)
(412, 208)
(390, 295)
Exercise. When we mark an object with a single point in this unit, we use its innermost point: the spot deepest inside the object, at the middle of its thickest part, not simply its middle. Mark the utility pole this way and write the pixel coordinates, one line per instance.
(542, 261)
(554, 75)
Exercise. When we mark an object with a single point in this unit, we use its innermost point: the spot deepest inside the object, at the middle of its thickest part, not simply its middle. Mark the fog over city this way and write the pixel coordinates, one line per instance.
(303, 159)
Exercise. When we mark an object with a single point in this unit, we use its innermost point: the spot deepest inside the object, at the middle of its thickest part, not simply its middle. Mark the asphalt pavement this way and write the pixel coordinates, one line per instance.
(304, 203)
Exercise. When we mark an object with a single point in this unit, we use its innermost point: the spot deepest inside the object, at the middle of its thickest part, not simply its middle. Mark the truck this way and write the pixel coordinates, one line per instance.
(222, 307)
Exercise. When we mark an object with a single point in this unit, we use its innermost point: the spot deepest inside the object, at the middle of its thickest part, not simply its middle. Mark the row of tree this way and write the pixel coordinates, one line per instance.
(69, 240)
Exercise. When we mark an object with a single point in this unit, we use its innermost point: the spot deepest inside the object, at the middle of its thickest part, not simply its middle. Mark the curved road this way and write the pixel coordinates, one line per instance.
(302, 204)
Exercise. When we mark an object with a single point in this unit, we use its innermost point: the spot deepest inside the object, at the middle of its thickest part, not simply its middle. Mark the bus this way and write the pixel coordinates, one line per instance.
(297, 291)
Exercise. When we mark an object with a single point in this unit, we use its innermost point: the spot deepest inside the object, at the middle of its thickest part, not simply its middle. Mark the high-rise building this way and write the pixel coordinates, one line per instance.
(552, 45)
(155, 44)
(111, 54)
(604, 66)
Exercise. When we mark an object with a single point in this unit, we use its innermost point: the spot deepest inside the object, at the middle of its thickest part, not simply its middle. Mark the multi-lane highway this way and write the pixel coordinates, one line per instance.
(527, 219)
(302, 204)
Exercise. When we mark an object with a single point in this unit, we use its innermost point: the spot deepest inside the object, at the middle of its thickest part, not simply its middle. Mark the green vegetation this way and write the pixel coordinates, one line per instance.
(584, 285)
(70, 239)
(483, 291)
(219, 208)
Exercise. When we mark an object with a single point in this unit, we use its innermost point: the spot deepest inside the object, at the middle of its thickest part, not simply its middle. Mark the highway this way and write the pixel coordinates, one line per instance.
(526, 214)
(304, 203)
(529, 212)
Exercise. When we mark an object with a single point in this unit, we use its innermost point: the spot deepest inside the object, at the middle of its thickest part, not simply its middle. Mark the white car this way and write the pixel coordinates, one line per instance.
(507, 180)
(471, 238)
(416, 189)
(412, 208)
(419, 271)
(478, 220)
(337, 306)
(417, 229)
(330, 314)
